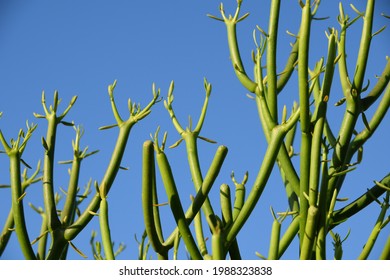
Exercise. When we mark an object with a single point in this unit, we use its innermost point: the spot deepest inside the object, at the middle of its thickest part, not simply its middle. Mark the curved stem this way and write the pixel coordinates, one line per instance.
(148, 184)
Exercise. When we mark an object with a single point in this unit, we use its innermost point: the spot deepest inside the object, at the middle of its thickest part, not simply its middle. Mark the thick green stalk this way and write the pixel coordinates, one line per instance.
(385, 255)
(176, 206)
(200, 236)
(217, 241)
(239, 197)
(273, 253)
(310, 233)
(365, 134)
(322, 98)
(9, 223)
(283, 160)
(231, 23)
(360, 203)
(288, 236)
(190, 137)
(203, 192)
(277, 137)
(72, 231)
(105, 229)
(42, 243)
(68, 212)
(376, 230)
(48, 171)
(193, 161)
(284, 77)
(227, 219)
(323, 221)
(236, 57)
(136, 114)
(379, 87)
(14, 153)
(17, 206)
(6, 232)
(304, 103)
(364, 47)
(352, 94)
(373, 124)
(226, 205)
(148, 185)
(272, 93)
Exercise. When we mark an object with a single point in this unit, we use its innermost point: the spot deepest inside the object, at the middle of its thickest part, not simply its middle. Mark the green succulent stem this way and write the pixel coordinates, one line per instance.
(14, 152)
(17, 206)
(105, 229)
(231, 26)
(148, 188)
(385, 255)
(200, 238)
(175, 204)
(306, 136)
(203, 192)
(360, 203)
(288, 236)
(278, 134)
(217, 239)
(10, 222)
(376, 230)
(116, 158)
(364, 47)
(272, 92)
(68, 212)
(273, 253)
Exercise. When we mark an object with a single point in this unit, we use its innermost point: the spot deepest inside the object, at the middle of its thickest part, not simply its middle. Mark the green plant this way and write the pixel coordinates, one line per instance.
(313, 178)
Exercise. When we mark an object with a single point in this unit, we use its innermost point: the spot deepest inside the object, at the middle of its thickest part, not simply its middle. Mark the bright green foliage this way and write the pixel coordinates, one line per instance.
(325, 157)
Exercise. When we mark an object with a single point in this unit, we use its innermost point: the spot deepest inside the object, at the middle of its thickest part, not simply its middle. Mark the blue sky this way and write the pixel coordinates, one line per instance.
(80, 47)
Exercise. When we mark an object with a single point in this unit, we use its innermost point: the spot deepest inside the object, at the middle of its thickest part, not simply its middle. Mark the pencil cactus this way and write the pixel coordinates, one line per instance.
(313, 177)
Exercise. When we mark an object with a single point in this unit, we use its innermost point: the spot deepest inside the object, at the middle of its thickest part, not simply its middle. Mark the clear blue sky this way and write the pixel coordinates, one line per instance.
(80, 47)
